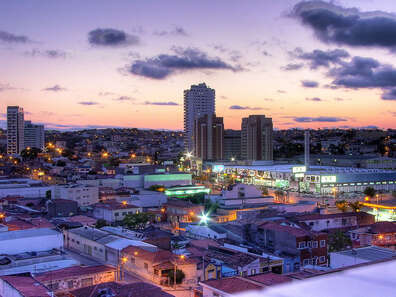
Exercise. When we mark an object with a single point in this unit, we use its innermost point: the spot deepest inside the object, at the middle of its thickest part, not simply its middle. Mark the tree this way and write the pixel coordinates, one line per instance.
(264, 191)
(338, 241)
(342, 205)
(48, 195)
(29, 154)
(137, 221)
(100, 223)
(356, 206)
(179, 276)
(369, 191)
(279, 194)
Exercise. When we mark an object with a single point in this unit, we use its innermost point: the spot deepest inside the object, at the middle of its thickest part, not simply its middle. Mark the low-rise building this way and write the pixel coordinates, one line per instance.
(84, 195)
(76, 277)
(113, 211)
(309, 246)
(382, 234)
(159, 265)
(22, 286)
(180, 211)
(30, 240)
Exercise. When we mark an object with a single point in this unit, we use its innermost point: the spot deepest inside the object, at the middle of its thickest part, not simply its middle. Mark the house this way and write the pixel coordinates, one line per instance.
(22, 286)
(157, 266)
(115, 289)
(236, 285)
(309, 246)
(180, 211)
(113, 211)
(61, 208)
(343, 220)
(76, 277)
(381, 234)
(99, 244)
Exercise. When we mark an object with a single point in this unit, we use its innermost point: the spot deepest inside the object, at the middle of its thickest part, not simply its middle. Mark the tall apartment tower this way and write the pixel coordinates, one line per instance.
(199, 100)
(34, 135)
(232, 145)
(256, 138)
(306, 148)
(15, 130)
(209, 137)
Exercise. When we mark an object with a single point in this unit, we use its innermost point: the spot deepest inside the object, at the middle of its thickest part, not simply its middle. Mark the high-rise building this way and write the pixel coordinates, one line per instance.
(232, 144)
(256, 138)
(209, 137)
(34, 135)
(199, 100)
(15, 130)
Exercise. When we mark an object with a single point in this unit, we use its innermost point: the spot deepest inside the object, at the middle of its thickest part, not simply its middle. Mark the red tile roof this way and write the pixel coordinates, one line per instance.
(270, 279)
(83, 220)
(28, 223)
(139, 289)
(297, 232)
(114, 205)
(158, 257)
(233, 284)
(383, 227)
(26, 286)
(72, 272)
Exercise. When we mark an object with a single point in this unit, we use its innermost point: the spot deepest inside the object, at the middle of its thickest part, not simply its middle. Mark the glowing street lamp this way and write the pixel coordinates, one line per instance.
(204, 219)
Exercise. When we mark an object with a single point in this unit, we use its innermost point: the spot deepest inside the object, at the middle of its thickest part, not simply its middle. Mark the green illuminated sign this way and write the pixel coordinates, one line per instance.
(328, 179)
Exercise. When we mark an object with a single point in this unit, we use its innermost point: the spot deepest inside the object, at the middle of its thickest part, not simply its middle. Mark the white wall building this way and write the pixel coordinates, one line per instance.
(30, 240)
(199, 100)
(84, 195)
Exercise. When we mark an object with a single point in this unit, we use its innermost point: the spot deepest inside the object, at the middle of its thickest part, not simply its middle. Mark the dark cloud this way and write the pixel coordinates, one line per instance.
(52, 54)
(163, 65)
(319, 119)
(176, 31)
(124, 98)
(88, 103)
(111, 37)
(315, 99)
(319, 58)
(169, 103)
(12, 38)
(293, 66)
(55, 88)
(339, 25)
(389, 94)
(239, 107)
(309, 84)
(363, 72)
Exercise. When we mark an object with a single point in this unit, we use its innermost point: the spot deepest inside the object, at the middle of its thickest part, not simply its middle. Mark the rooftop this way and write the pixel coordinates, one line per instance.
(26, 286)
(27, 233)
(371, 253)
(72, 272)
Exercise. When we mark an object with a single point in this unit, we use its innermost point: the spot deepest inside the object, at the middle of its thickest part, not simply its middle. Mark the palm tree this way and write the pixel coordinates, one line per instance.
(356, 206)
(342, 205)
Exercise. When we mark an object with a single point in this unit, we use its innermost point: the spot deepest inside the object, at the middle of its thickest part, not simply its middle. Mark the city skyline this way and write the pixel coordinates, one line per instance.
(74, 65)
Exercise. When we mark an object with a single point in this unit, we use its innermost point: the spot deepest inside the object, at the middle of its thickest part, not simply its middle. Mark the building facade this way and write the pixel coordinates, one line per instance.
(15, 130)
(199, 100)
(232, 145)
(256, 138)
(33, 135)
(209, 137)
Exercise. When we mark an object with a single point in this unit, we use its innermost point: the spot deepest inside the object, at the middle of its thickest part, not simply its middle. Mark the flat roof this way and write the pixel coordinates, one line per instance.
(371, 253)
(27, 233)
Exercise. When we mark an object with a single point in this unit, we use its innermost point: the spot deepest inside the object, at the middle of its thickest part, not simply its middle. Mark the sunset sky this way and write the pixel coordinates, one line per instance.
(97, 63)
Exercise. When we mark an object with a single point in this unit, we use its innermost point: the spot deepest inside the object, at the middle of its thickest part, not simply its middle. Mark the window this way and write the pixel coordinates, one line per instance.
(322, 259)
(132, 260)
(54, 286)
(309, 244)
(306, 262)
(301, 245)
(314, 244)
(86, 282)
(322, 243)
(116, 214)
(146, 266)
(253, 272)
(215, 294)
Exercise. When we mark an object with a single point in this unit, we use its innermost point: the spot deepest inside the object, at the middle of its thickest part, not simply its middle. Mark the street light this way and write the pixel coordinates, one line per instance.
(204, 219)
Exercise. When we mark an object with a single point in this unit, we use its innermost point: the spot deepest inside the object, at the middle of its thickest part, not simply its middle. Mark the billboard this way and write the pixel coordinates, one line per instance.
(299, 169)
(328, 179)
(218, 168)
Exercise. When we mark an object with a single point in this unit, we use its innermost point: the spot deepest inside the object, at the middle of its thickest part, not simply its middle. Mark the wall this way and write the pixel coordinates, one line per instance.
(8, 291)
(31, 244)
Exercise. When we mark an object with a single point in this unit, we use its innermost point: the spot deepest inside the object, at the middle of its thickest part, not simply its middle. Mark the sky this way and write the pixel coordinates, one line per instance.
(99, 63)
